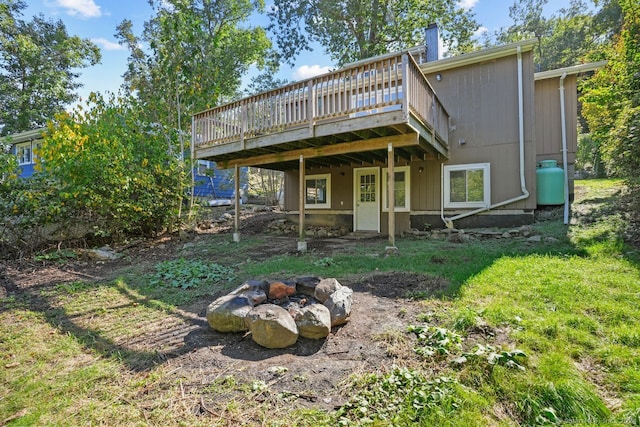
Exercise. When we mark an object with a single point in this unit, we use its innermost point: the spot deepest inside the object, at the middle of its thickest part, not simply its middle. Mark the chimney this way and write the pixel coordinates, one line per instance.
(431, 42)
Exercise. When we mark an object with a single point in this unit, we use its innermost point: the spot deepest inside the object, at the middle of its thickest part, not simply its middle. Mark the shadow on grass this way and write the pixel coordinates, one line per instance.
(137, 329)
(138, 353)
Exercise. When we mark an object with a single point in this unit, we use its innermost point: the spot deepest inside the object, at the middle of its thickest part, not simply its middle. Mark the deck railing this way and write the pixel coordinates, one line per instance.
(387, 83)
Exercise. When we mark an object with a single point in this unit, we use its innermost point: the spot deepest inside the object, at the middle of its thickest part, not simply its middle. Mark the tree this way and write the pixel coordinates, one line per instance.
(351, 30)
(38, 60)
(563, 39)
(611, 100)
(198, 52)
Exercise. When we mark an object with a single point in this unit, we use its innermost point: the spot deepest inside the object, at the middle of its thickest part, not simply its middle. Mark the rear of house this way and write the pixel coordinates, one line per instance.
(453, 142)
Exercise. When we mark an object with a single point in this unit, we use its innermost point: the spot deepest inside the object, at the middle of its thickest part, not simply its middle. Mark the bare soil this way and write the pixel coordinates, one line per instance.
(310, 373)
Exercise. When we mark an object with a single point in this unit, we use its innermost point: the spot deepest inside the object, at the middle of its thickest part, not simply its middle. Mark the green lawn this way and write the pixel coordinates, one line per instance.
(563, 316)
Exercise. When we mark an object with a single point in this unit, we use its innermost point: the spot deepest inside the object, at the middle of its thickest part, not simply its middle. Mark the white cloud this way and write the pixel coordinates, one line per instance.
(83, 8)
(480, 32)
(308, 71)
(467, 4)
(107, 45)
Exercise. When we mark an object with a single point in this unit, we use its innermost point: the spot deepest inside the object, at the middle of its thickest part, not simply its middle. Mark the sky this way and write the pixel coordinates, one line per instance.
(97, 20)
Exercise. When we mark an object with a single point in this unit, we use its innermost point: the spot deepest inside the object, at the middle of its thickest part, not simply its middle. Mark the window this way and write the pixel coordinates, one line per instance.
(317, 191)
(205, 168)
(467, 186)
(24, 154)
(35, 151)
(401, 190)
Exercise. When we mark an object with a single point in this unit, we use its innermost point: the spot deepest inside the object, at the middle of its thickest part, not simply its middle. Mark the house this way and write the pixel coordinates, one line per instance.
(217, 185)
(209, 182)
(454, 141)
(24, 146)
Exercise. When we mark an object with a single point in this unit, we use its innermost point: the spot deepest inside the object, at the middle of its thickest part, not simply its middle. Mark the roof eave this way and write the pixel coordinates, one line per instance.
(478, 56)
(576, 69)
(28, 135)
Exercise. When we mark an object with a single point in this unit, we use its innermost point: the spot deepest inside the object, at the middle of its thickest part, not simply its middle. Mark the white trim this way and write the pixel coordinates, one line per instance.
(407, 188)
(22, 146)
(485, 167)
(576, 69)
(327, 204)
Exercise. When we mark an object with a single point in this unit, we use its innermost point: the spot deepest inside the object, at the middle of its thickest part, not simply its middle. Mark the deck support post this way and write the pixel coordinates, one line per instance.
(236, 222)
(302, 244)
(391, 200)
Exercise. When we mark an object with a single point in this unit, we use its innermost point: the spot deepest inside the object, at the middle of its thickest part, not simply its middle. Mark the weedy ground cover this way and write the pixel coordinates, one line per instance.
(522, 334)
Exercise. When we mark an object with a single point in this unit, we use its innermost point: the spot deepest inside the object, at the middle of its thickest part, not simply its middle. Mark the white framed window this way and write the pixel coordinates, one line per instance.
(317, 191)
(35, 150)
(402, 190)
(467, 186)
(24, 153)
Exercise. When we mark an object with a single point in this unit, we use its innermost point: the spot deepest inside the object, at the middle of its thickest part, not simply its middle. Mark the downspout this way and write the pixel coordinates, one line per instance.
(523, 186)
(564, 150)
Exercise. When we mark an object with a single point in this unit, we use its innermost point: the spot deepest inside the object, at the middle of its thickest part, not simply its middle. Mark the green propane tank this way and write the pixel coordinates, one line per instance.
(550, 183)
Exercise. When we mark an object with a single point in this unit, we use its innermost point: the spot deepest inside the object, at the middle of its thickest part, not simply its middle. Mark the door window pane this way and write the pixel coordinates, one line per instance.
(367, 188)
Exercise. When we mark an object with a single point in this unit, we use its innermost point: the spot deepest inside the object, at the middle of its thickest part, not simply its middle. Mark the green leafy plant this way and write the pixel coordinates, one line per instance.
(433, 341)
(401, 397)
(184, 274)
(509, 358)
(324, 262)
(59, 256)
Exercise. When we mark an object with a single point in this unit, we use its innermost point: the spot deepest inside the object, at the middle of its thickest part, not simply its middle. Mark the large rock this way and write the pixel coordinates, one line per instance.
(339, 304)
(325, 288)
(272, 327)
(313, 321)
(279, 290)
(307, 285)
(252, 286)
(227, 313)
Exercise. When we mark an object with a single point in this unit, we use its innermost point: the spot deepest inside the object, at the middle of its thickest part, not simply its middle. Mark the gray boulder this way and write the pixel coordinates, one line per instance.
(313, 321)
(272, 327)
(227, 313)
(325, 288)
(339, 304)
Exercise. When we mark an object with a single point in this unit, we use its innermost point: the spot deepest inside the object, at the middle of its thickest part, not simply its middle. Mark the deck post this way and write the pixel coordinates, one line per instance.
(405, 85)
(236, 222)
(302, 244)
(391, 200)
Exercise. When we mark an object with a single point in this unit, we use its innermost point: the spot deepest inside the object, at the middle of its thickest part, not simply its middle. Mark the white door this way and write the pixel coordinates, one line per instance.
(367, 199)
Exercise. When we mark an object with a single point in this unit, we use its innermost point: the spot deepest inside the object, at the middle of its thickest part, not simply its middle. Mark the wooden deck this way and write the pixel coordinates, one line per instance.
(345, 117)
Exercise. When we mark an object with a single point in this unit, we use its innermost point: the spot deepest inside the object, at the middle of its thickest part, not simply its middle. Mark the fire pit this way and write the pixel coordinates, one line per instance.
(278, 312)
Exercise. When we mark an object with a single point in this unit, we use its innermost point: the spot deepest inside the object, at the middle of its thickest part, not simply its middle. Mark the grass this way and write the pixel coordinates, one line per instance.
(559, 338)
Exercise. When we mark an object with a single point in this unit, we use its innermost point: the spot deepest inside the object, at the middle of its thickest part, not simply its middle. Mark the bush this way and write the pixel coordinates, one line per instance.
(113, 169)
(105, 175)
